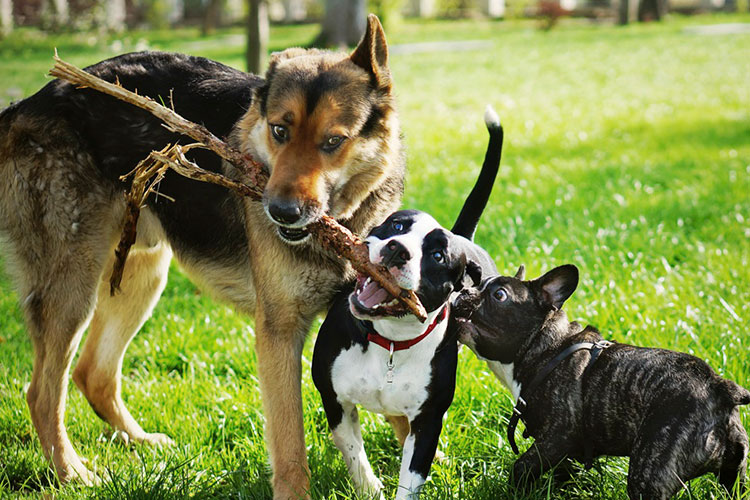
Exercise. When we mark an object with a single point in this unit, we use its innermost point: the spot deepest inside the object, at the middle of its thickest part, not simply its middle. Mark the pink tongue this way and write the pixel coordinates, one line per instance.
(372, 295)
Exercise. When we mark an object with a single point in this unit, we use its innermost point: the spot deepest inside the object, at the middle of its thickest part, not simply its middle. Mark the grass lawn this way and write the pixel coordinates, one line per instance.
(627, 153)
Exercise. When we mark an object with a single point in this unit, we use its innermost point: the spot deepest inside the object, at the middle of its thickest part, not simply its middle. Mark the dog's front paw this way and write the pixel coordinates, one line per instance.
(374, 489)
(156, 439)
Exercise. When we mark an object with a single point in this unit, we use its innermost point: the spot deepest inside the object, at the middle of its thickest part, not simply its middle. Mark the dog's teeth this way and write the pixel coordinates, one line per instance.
(369, 280)
(392, 303)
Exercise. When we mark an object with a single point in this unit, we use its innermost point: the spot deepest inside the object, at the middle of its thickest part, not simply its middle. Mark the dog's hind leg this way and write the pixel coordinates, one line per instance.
(400, 426)
(116, 321)
(59, 219)
(58, 303)
(401, 429)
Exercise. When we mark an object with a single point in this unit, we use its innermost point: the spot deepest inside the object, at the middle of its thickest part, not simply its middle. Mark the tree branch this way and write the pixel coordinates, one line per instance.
(149, 172)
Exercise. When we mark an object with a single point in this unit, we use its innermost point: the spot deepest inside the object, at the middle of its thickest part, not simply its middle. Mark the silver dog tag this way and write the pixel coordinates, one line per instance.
(389, 365)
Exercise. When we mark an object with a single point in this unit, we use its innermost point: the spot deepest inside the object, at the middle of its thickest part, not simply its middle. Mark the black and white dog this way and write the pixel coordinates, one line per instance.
(371, 352)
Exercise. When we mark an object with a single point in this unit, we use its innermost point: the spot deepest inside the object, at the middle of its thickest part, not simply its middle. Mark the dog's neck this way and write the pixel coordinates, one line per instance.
(409, 327)
(546, 342)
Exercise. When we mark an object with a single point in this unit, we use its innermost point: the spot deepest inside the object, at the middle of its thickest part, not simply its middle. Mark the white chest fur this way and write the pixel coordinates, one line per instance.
(360, 376)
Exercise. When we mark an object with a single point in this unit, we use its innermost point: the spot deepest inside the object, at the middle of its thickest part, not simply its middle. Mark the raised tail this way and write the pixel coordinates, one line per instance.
(468, 219)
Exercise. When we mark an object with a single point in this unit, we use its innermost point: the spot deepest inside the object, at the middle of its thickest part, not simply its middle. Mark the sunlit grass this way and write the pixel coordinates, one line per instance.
(627, 153)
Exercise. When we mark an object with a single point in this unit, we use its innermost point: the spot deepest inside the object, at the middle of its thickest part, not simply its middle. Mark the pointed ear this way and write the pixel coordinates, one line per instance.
(558, 284)
(521, 273)
(372, 54)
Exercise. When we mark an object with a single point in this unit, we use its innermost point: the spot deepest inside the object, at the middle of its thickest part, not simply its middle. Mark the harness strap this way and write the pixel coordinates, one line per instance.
(520, 407)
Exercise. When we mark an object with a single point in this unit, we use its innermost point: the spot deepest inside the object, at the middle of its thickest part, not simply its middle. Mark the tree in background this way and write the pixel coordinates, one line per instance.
(55, 14)
(211, 17)
(257, 35)
(6, 17)
(114, 13)
(294, 11)
(343, 24)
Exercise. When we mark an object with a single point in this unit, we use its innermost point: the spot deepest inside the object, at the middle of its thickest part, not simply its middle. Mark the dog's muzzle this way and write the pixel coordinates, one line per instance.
(290, 219)
(293, 235)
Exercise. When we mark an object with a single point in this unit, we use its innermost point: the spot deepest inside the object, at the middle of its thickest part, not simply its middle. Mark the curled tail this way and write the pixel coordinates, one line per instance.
(468, 219)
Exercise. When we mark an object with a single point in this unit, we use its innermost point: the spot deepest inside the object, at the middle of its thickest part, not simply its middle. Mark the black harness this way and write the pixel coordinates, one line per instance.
(595, 348)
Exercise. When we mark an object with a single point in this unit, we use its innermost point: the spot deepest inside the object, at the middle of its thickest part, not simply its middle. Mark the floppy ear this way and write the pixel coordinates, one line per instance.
(558, 284)
(521, 273)
(468, 268)
(372, 54)
(474, 271)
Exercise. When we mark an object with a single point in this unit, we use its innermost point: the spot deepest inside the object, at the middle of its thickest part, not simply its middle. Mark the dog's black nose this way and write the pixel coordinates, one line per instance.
(284, 211)
(395, 254)
(466, 303)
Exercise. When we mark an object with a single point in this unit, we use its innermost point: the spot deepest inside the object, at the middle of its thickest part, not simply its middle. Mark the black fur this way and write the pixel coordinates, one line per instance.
(468, 219)
(439, 278)
(203, 218)
(668, 411)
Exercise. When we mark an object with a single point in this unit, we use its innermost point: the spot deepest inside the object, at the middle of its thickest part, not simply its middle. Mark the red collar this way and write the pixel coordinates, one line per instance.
(400, 345)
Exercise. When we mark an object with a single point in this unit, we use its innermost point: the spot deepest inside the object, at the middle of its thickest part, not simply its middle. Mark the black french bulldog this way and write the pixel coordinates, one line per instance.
(582, 397)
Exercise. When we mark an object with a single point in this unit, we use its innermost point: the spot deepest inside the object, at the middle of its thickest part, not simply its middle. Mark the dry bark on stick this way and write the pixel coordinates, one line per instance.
(151, 170)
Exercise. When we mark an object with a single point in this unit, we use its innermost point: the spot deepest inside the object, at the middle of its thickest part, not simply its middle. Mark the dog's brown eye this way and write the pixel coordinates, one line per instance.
(279, 132)
(438, 256)
(501, 295)
(333, 142)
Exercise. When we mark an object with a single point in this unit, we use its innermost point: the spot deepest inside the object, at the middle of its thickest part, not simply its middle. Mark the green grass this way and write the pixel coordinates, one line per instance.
(627, 153)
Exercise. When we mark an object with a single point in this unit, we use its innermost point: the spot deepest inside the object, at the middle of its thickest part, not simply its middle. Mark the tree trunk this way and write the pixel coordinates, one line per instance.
(627, 11)
(55, 14)
(257, 35)
(493, 8)
(294, 11)
(211, 17)
(344, 23)
(422, 8)
(6, 17)
(651, 10)
(115, 13)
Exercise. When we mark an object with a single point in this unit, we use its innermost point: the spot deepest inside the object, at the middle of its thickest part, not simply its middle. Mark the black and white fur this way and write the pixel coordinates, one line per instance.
(349, 371)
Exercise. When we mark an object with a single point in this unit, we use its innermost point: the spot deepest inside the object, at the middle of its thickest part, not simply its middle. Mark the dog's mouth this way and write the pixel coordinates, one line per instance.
(370, 300)
(466, 330)
(293, 234)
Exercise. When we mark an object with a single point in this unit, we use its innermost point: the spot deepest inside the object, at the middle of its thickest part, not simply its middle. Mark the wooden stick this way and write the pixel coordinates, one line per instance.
(327, 230)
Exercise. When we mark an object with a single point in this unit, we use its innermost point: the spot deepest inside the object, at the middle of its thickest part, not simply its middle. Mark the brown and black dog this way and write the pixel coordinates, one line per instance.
(323, 124)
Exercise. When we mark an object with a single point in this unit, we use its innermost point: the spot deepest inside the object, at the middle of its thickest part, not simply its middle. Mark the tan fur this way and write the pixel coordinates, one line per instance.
(400, 426)
(60, 221)
(116, 321)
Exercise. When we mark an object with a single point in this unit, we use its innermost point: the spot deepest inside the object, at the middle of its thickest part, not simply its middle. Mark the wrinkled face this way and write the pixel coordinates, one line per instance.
(498, 318)
(325, 126)
(421, 256)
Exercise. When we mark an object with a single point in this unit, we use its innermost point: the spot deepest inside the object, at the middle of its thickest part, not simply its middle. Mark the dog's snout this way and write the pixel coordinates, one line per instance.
(395, 254)
(285, 211)
(467, 302)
